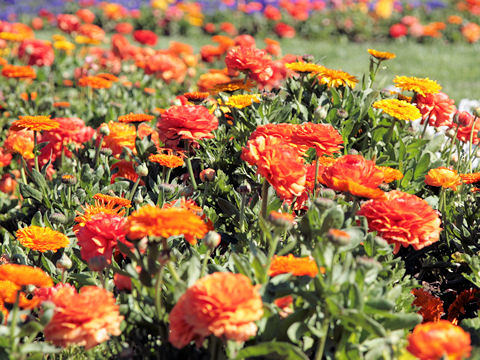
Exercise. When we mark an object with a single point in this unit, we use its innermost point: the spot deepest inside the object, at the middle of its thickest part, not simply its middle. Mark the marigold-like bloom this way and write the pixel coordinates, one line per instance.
(61, 104)
(381, 55)
(209, 81)
(34, 123)
(402, 219)
(324, 138)
(421, 86)
(468, 127)
(223, 304)
(105, 199)
(168, 160)
(191, 122)
(431, 307)
(36, 52)
(444, 177)
(42, 239)
(437, 108)
(20, 72)
(457, 308)
(303, 67)
(278, 162)
(434, 340)
(256, 63)
(470, 178)
(100, 235)
(84, 319)
(197, 96)
(94, 82)
(124, 169)
(354, 174)
(242, 101)
(303, 266)
(233, 85)
(337, 78)
(121, 135)
(108, 76)
(145, 37)
(64, 45)
(89, 211)
(153, 221)
(20, 142)
(399, 109)
(135, 118)
(390, 174)
(23, 275)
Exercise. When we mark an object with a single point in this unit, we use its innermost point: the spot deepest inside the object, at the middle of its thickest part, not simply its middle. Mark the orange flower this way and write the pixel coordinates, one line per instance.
(115, 200)
(23, 275)
(390, 174)
(20, 142)
(34, 123)
(254, 62)
(470, 178)
(120, 135)
(402, 219)
(29, 96)
(42, 239)
(381, 55)
(434, 340)
(153, 221)
(444, 177)
(322, 137)
(61, 104)
(457, 308)
(135, 118)
(207, 82)
(354, 174)
(124, 169)
(233, 85)
(192, 122)
(305, 266)
(336, 78)
(95, 82)
(84, 319)
(223, 304)
(196, 96)
(98, 208)
(20, 72)
(431, 307)
(167, 160)
(437, 108)
(279, 163)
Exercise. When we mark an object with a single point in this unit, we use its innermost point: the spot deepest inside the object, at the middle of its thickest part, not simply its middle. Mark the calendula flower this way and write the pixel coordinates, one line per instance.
(42, 239)
(64, 45)
(108, 76)
(94, 82)
(336, 78)
(233, 302)
(303, 67)
(431, 307)
(256, 63)
(422, 86)
(23, 275)
(61, 104)
(34, 123)
(87, 318)
(399, 109)
(135, 118)
(437, 108)
(124, 169)
(168, 160)
(20, 142)
(402, 219)
(242, 101)
(155, 222)
(121, 135)
(297, 266)
(381, 55)
(444, 177)
(434, 340)
(457, 308)
(324, 138)
(470, 178)
(233, 85)
(98, 208)
(390, 174)
(115, 200)
(19, 72)
(197, 96)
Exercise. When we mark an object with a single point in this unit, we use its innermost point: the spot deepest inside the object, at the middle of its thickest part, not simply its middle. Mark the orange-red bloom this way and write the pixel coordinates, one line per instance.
(437, 108)
(135, 118)
(470, 178)
(223, 304)
(304, 266)
(457, 308)
(468, 126)
(444, 177)
(20, 72)
(20, 142)
(95, 82)
(322, 137)
(23, 275)
(35, 123)
(402, 219)
(42, 239)
(354, 174)
(390, 174)
(167, 160)
(153, 221)
(84, 319)
(431, 307)
(256, 63)
(121, 135)
(115, 200)
(99, 207)
(433, 340)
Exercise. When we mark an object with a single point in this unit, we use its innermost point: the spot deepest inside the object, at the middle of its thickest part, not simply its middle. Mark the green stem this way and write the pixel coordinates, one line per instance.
(173, 272)
(242, 212)
(425, 127)
(449, 159)
(190, 172)
(158, 291)
(263, 211)
(322, 342)
(97, 151)
(271, 253)
(35, 150)
(317, 164)
(132, 193)
(205, 262)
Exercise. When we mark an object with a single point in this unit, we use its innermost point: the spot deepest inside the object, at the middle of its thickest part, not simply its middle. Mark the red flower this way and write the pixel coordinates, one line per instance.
(467, 122)
(167, 67)
(254, 62)
(398, 30)
(403, 219)
(284, 31)
(245, 40)
(124, 28)
(145, 37)
(86, 15)
(36, 52)
(322, 137)
(437, 108)
(68, 23)
(192, 122)
(272, 13)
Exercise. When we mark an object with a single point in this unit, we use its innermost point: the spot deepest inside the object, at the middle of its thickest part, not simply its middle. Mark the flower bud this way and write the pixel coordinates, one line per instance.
(352, 152)
(342, 114)
(368, 263)
(58, 218)
(450, 133)
(244, 188)
(327, 193)
(308, 58)
(476, 111)
(321, 113)
(69, 179)
(168, 188)
(142, 170)
(207, 175)
(97, 263)
(283, 221)
(212, 239)
(64, 263)
(138, 198)
(106, 151)
(323, 204)
(104, 130)
(338, 237)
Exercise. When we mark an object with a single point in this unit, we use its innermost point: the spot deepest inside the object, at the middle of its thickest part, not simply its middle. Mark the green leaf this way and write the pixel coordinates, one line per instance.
(273, 350)
(422, 166)
(39, 179)
(402, 321)
(39, 347)
(29, 192)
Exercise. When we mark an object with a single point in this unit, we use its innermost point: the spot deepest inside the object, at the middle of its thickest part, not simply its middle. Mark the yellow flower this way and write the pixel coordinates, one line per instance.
(399, 109)
(241, 101)
(381, 55)
(64, 45)
(421, 86)
(302, 67)
(233, 85)
(80, 39)
(336, 78)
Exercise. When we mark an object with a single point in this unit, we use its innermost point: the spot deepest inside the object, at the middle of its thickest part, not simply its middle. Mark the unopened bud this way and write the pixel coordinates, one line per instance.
(142, 170)
(69, 179)
(244, 188)
(476, 112)
(168, 188)
(327, 193)
(342, 114)
(308, 58)
(207, 175)
(321, 113)
(368, 263)
(450, 133)
(281, 220)
(138, 198)
(212, 239)
(338, 237)
(323, 203)
(106, 151)
(64, 263)
(104, 130)
(97, 263)
(352, 152)
(58, 218)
